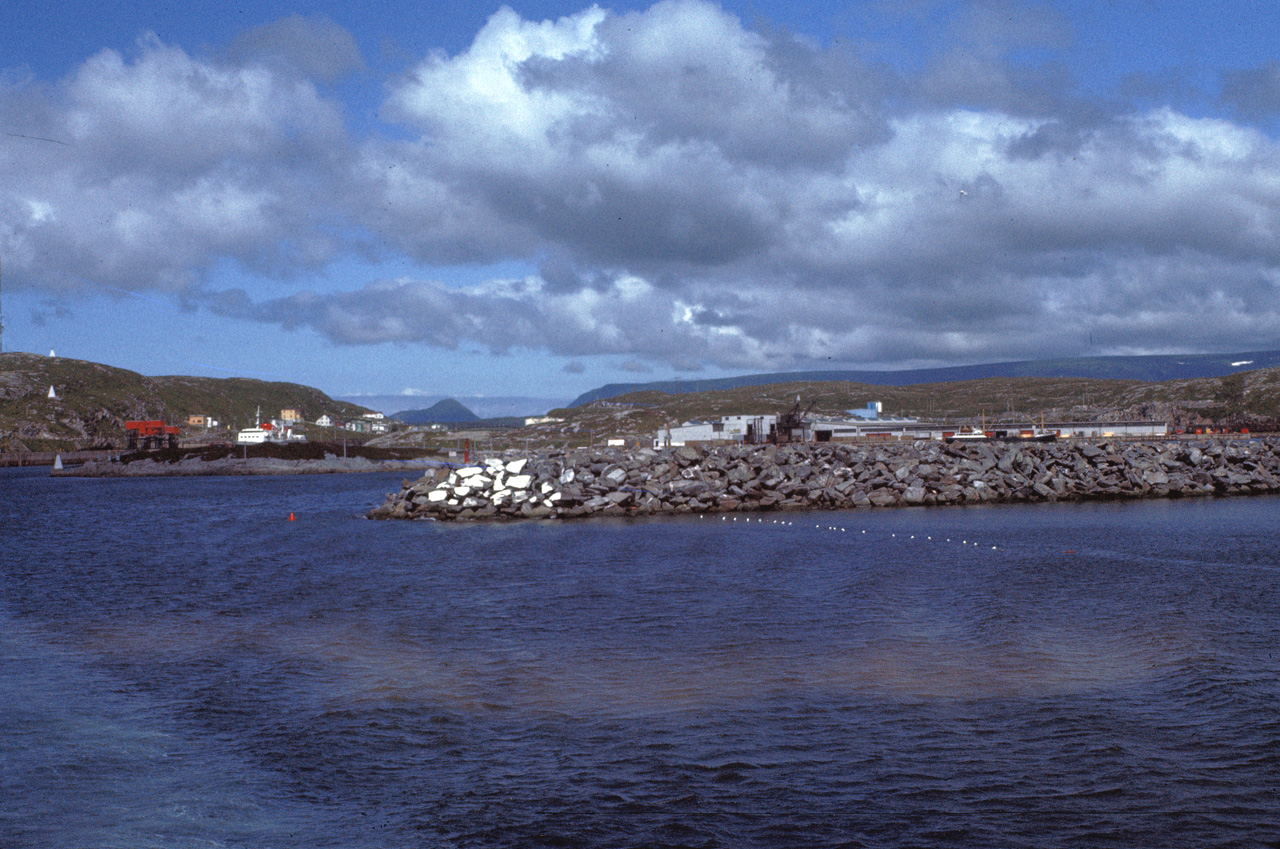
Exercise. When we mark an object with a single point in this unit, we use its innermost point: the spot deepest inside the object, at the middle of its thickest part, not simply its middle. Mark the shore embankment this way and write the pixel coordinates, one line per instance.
(832, 476)
(271, 458)
(198, 467)
(9, 459)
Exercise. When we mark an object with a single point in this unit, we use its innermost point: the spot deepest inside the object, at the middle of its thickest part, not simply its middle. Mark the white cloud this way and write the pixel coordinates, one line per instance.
(696, 192)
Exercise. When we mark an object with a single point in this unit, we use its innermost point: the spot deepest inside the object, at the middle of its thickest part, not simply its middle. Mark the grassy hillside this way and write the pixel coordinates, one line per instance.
(1242, 398)
(95, 400)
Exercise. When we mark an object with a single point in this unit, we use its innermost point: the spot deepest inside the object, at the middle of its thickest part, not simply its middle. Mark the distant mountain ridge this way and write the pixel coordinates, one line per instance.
(484, 406)
(448, 411)
(1152, 368)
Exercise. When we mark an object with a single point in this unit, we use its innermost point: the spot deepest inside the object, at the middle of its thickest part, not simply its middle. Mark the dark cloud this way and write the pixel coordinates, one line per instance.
(50, 308)
(1253, 92)
(315, 46)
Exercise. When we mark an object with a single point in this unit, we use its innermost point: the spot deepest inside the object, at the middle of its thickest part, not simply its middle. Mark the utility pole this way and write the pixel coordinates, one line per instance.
(1, 317)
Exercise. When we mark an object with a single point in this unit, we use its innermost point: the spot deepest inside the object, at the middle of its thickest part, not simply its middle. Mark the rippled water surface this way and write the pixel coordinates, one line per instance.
(180, 666)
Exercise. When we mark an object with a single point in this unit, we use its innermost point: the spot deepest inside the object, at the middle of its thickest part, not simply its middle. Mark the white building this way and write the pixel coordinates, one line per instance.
(1107, 430)
(727, 429)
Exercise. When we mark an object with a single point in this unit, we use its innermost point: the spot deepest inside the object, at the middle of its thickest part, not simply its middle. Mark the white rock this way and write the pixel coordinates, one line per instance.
(546, 487)
(462, 491)
(515, 467)
(493, 463)
(519, 481)
(519, 497)
(567, 476)
(469, 471)
(553, 497)
(437, 495)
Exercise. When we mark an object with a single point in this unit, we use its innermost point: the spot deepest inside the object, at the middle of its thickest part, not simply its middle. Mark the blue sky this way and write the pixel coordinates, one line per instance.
(512, 205)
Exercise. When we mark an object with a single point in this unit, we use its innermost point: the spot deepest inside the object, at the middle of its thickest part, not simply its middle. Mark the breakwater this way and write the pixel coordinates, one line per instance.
(832, 476)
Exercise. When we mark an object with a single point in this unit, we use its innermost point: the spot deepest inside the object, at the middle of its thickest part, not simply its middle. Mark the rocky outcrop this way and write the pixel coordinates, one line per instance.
(831, 476)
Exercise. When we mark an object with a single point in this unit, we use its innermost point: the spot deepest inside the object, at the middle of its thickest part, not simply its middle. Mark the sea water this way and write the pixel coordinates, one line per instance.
(182, 666)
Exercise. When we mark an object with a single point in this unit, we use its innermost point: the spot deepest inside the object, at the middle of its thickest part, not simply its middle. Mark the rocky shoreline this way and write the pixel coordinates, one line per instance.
(198, 467)
(832, 476)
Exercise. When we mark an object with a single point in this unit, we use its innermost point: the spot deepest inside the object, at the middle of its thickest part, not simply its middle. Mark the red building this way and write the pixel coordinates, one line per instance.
(151, 435)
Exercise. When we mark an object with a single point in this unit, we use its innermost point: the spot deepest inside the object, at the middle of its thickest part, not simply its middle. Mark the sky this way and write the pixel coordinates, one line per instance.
(516, 203)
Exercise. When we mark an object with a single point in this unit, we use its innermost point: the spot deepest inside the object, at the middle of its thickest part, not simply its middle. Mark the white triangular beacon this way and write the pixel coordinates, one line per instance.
(57, 462)
(52, 394)
(51, 353)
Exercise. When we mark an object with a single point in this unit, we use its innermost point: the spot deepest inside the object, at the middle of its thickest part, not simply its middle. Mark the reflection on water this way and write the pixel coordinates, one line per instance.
(1096, 675)
(359, 666)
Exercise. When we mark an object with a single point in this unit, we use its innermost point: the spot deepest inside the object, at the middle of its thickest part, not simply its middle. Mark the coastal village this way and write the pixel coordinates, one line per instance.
(51, 404)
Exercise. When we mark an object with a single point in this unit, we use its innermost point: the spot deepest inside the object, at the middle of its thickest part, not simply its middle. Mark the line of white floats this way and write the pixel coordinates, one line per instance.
(843, 530)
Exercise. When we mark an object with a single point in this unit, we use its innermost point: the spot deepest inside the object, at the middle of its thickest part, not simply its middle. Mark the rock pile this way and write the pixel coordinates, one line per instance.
(833, 476)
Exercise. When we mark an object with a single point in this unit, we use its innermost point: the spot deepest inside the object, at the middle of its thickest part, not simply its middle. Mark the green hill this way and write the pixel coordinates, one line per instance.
(94, 401)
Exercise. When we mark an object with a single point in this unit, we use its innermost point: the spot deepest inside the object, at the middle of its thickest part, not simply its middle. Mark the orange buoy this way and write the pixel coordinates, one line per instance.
(292, 518)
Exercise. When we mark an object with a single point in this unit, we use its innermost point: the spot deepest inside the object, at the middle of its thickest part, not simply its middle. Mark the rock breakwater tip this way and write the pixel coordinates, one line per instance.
(747, 478)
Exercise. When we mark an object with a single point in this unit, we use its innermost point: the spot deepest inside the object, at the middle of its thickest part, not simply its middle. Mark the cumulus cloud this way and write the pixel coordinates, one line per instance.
(692, 190)
(162, 165)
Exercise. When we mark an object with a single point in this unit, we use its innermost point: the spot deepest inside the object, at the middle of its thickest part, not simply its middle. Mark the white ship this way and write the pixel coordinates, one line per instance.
(267, 432)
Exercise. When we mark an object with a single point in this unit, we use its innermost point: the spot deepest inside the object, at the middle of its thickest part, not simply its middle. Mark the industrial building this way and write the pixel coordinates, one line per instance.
(867, 424)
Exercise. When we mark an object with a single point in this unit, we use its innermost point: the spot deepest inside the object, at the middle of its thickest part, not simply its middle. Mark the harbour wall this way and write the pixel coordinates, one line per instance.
(832, 476)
